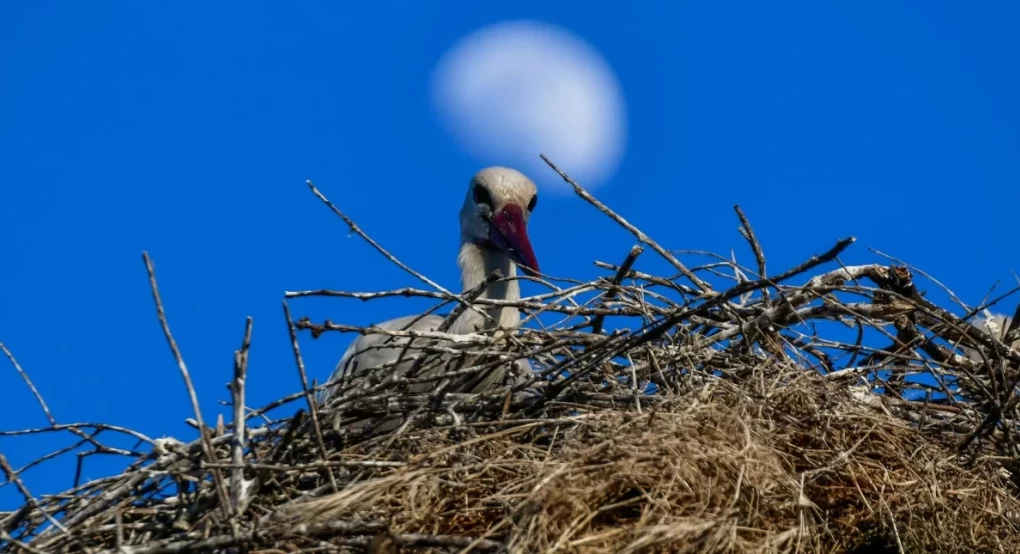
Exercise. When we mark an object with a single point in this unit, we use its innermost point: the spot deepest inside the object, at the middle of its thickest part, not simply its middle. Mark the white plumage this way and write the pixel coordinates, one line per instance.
(493, 236)
(996, 326)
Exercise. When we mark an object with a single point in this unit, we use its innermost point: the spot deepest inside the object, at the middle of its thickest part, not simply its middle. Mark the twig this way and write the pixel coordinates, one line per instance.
(13, 477)
(24, 376)
(79, 426)
(26, 547)
(357, 230)
(614, 289)
(309, 399)
(237, 485)
(705, 287)
(759, 255)
(192, 394)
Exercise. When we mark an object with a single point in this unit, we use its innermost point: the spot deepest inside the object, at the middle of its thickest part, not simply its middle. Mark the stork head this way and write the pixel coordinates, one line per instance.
(495, 215)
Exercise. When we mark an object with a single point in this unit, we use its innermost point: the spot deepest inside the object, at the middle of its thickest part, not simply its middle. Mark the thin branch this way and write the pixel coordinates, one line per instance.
(614, 289)
(237, 389)
(705, 287)
(192, 394)
(752, 239)
(357, 230)
(30, 500)
(24, 376)
(309, 399)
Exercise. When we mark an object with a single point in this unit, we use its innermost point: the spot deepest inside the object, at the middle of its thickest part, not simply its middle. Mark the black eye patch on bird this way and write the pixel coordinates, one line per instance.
(481, 195)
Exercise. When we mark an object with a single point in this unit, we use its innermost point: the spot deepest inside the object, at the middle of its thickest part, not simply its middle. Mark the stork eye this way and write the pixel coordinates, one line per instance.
(482, 196)
(533, 203)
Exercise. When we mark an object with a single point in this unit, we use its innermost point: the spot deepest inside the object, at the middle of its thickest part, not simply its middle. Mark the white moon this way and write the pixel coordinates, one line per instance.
(510, 91)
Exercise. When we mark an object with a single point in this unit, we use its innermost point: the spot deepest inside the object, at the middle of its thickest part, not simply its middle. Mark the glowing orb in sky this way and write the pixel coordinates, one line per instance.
(510, 91)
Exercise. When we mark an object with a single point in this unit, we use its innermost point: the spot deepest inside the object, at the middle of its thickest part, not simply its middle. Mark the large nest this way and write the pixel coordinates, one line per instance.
(847, 413)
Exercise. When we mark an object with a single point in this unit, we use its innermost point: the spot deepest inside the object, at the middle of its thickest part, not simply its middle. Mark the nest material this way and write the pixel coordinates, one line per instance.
(727, 421)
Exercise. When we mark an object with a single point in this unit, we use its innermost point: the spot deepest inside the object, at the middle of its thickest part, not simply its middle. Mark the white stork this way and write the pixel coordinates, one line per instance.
(995, 325)
(493, 236)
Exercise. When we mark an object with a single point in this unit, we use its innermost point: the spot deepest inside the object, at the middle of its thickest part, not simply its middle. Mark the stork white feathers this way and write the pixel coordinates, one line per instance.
(995, 325)
(493, 236)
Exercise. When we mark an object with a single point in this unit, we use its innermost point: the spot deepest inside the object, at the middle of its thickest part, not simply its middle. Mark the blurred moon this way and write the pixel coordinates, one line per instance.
(510, 91)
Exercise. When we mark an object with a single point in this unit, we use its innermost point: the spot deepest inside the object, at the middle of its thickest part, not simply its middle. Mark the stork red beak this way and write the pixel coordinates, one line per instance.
(509, 233)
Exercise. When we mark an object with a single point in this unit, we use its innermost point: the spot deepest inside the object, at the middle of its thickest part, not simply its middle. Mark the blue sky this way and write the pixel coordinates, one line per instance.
(188, 130)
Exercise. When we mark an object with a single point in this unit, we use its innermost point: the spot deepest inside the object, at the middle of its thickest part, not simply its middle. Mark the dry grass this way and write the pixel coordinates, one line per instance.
(767, 431)
(799, 468)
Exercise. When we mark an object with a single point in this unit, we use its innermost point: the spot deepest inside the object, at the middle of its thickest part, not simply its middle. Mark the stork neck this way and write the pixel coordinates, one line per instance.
(476, 263)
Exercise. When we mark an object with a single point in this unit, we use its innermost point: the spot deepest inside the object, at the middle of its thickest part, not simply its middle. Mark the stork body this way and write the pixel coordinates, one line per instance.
(493, 237)
(995, 325)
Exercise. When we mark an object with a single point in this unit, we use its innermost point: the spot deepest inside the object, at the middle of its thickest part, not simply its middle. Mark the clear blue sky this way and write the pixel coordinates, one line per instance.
(188, 130)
